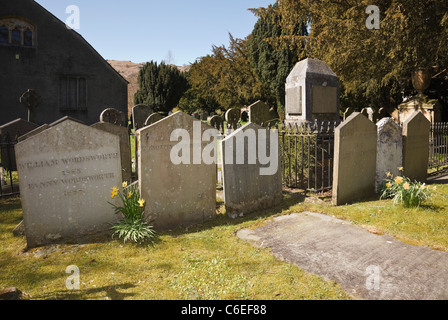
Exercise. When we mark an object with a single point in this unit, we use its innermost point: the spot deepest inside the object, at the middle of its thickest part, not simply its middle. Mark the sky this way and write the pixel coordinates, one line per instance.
(174, 31)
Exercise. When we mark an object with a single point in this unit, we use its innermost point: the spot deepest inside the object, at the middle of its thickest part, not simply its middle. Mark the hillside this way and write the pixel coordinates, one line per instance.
(129, 70)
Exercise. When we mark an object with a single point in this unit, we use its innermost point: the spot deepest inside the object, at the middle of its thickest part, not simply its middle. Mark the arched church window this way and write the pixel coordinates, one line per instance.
(17, 31)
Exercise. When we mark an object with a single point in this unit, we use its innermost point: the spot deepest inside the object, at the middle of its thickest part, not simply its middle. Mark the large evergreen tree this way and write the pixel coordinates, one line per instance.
(160, 86)
(273, 63)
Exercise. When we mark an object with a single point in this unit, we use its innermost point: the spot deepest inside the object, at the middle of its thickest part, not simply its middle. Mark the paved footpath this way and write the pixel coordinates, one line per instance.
(366, 265)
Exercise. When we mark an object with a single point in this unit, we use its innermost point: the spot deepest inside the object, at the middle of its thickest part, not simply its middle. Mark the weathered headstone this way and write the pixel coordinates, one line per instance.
(177, 193)
(204, 115)
(244, 116)
(389, 150)
(259, 113)
(355, 160)
(12, 131)
(216, 122)
(312, 92)
(140, 113)
(113, 116)
(232, 117)
(416, 146)
(153, 118)
(65, 174)
(33, 132)
(250, 182)
(125, 146)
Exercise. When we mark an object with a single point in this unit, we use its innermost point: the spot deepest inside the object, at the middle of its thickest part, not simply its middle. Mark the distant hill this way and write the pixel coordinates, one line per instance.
(129, 70)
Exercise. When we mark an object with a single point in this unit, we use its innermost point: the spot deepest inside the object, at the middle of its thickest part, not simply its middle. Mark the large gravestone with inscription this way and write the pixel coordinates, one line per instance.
(176, 193)
(66, 173)
(312, 92)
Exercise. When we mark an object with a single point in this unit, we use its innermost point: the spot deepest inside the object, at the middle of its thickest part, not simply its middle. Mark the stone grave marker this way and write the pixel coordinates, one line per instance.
(65, 174)
(13, 130)
(250, 182)
(389, 150)
(244, 116)
(125, 146)
(312, 92)
(355, 160)
(140, 114)
(216, 122)
(416, 130)
(232, 117)
(113, 116)
(259, 113)
(153, 118)
(178, 193)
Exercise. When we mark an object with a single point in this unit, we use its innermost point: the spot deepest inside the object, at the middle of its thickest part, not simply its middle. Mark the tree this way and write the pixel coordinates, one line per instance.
(160, 86)
(225, 78)
(374, 66)
(272, 64)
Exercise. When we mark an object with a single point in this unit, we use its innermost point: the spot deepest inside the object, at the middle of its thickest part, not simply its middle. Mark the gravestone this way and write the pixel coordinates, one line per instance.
(177, 194)
(216, 122)
(312, 92)
(389, 150)
(355, 160)
(12, 131)
(204, 115)
(259, 113)
(232, 117)
(33, 132)
(113, 116)
(65, 175)
(244, 116)
(153, 118)
(125, 146)
(416, 146)
(250, 182)
(140, 114)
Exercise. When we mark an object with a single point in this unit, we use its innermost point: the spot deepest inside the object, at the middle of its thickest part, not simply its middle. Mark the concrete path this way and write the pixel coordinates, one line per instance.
(366, 265)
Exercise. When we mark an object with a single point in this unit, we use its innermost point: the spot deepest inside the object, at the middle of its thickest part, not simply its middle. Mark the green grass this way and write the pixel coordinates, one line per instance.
(206, 261)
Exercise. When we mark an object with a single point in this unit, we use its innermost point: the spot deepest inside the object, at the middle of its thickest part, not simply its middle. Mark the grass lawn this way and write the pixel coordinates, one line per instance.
(203, 262)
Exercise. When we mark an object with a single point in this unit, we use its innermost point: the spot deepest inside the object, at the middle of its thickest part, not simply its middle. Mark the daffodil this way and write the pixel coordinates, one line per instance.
(401, 169)
(129, 195)
(398, 180)
(389, 175)
(141, 202)
(406, 186)
(114, 192)
(125, 184)
(388, 185)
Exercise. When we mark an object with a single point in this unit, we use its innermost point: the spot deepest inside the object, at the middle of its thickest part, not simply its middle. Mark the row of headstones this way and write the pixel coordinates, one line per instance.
(67, 169)
(365, 153)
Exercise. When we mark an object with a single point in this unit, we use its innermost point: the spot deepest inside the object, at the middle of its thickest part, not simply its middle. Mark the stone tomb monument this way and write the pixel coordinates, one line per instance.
(259, 113)
(416, 131)
(176, 194)
(355, 159)
(312, 92)
(125, 146)
(65, 174)
(389, 150)
(250, 185)
(114, 116)
(140, 114)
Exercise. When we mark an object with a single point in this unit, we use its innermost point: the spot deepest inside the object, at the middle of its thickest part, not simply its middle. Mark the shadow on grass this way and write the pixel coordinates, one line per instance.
(112, 292)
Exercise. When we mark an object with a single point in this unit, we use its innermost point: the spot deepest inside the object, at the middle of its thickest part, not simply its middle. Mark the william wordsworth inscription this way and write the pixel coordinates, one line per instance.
(65, 175)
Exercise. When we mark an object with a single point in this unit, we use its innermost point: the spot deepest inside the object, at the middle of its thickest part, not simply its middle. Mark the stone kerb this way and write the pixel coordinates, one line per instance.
(251, 170)
(416, 130)
(355, 160)
(66, 174)
(389, 150)
(177, 193)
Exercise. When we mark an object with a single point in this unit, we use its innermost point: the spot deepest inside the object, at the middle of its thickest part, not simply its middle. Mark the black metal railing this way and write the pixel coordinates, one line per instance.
(438, 147)
(8, 176)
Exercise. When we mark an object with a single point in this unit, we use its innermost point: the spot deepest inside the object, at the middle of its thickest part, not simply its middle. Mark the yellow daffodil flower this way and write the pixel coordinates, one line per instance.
(141, 202)
(389, 175)
(406, 186)
(114, 192)
(398, 180)
(129, 195)
(401, 169)
(125, 184)
(388, 185)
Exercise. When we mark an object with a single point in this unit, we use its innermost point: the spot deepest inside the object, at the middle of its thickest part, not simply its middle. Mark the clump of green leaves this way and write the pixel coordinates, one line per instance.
(403, 191)
(132, 227)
